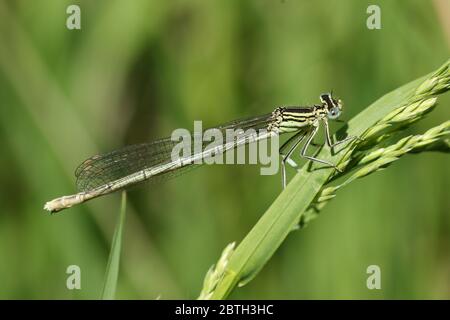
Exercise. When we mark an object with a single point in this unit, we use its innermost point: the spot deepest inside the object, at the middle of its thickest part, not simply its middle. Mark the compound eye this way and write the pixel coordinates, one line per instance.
(334, 113)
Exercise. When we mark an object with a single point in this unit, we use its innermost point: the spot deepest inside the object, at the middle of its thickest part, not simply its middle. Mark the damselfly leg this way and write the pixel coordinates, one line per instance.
(306, 145)
(328, 136)
(297, 138)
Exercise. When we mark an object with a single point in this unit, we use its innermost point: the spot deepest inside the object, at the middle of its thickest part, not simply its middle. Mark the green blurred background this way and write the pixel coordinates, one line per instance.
(139, 69)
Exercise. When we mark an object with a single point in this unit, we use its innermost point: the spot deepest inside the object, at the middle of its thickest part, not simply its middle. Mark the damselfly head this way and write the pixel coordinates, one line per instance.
(334, 106)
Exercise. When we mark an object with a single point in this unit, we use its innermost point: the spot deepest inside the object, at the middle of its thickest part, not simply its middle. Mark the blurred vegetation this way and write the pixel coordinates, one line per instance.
(137, 70)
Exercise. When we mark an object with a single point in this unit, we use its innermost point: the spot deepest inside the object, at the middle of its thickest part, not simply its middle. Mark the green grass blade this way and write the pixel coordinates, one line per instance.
(112, 269)
(285, 212)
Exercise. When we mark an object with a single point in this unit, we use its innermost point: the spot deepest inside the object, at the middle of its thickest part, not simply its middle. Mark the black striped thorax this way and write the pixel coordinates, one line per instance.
(291, 119)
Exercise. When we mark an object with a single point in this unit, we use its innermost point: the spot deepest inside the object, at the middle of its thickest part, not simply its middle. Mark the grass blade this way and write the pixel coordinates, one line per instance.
(285, 212)
(112, 269)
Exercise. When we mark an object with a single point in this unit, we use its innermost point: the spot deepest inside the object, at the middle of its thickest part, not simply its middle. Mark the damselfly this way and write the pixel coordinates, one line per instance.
(135, 164)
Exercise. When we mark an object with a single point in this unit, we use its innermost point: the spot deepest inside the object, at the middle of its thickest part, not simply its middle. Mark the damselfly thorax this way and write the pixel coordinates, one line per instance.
(292, 119)
(135, 164)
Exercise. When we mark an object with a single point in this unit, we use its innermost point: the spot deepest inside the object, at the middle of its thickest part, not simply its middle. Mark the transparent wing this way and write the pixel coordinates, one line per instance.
(106, 168)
